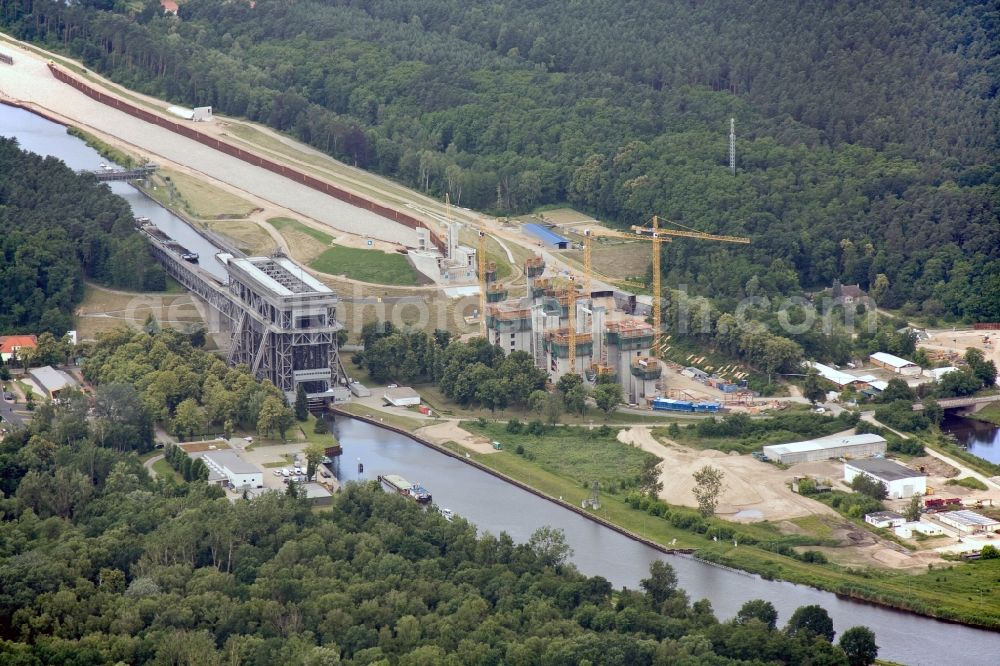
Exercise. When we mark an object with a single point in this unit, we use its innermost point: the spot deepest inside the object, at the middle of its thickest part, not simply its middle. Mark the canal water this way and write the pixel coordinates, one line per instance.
(45, 137)
(978, 437)
(496, 506)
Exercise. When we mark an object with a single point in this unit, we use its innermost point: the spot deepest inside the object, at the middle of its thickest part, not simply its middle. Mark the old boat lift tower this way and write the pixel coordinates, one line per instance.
(282, 320)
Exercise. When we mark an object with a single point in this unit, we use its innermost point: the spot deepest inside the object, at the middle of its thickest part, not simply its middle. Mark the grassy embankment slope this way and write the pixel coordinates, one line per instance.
(357, 264)
(990, 413)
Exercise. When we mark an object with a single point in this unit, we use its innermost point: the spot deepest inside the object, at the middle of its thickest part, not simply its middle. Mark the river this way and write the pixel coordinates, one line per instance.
(42, 136)
(978, 437)
(496, 506)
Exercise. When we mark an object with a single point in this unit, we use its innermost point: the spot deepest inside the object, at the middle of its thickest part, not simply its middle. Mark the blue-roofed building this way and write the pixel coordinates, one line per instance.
(547, 236)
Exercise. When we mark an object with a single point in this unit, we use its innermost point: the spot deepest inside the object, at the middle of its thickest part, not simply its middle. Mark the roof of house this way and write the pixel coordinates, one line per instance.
(51, 379)
(883, 515)
(8, 343)
(891, 360)
(169, 6)
(852, 290)
(937, 373)
(824, 443)
(400, 393)
(886, 470)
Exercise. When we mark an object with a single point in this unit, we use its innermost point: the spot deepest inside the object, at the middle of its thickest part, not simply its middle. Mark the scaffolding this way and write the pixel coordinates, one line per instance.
(629, 334)
(646, 368)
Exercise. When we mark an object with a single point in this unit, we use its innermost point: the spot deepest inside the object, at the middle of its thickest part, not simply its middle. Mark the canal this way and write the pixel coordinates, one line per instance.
(977, 437)
(42, 136)
(496, 506)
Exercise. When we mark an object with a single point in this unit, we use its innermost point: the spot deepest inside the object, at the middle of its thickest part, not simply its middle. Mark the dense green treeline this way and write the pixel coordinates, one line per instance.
(100, 564)
(190, 391)
(58, 229)
(867, 132)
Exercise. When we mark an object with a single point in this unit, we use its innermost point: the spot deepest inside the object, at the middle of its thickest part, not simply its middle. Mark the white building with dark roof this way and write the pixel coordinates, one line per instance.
(884, 519)
(901, 481)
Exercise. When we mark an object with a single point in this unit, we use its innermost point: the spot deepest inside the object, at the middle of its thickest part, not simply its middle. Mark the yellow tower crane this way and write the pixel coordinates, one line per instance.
(571, 316)
(588, 264)
(657, 235)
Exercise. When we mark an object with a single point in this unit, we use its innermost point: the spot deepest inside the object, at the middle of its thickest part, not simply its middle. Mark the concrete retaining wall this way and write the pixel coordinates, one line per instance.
(246, 156)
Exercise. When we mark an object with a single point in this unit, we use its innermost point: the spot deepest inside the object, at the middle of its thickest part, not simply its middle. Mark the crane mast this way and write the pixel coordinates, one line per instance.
(657, 236)
(481, 260)
(571, 316)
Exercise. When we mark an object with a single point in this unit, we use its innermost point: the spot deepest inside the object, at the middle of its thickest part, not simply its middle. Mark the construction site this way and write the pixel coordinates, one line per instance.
(568, 326)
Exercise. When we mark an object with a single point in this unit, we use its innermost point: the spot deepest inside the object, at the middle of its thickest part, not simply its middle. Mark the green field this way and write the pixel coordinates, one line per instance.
(355, 263)
(576, 453)
(366, 266)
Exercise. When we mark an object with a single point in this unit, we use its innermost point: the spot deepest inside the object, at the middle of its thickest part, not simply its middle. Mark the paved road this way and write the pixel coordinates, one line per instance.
(9, 415)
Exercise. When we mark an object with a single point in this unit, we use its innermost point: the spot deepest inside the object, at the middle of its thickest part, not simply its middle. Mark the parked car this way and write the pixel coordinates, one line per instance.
(277, 472)
(393, 386)
(8, 396)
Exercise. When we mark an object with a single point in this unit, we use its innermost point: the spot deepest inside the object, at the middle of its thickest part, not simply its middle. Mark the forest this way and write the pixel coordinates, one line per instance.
(188, 390)
(102, 564)
(58, 229)
(866, 131)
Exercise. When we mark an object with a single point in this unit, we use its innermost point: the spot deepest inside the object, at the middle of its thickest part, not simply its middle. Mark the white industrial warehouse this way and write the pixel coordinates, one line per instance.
(895, 364)
(824, 448)
(968, 522)
(901, 481)
(238, 472)
(401, 396)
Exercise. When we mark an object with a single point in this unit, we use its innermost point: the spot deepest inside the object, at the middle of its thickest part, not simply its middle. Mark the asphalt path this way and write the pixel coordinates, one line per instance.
(9, 415)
